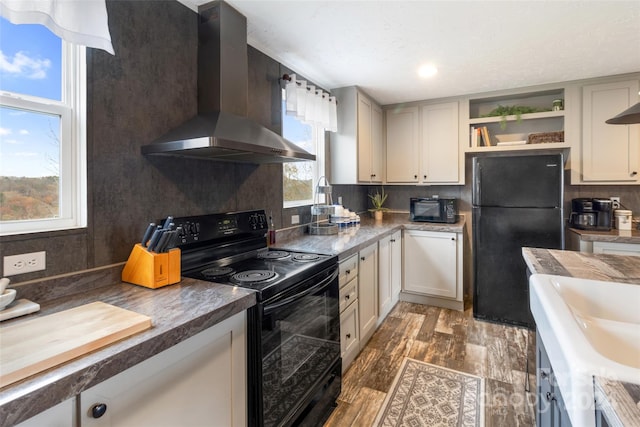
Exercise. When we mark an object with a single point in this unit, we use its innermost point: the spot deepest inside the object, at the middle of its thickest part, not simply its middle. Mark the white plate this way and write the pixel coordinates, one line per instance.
(512, 143)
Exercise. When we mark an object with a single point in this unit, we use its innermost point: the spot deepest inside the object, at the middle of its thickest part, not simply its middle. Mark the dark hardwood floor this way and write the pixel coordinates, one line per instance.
(448, 338)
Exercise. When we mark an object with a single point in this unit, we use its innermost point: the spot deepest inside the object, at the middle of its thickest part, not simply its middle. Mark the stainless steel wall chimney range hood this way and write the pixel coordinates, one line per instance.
(221, 130)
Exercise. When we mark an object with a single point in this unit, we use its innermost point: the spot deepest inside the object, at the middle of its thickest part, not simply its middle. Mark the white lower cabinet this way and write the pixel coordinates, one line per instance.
(616, 248)
(349, 321)
(61, 415)
(389, 273)
(201, 381)
(368, 292)
(433, 268)
(350, 335)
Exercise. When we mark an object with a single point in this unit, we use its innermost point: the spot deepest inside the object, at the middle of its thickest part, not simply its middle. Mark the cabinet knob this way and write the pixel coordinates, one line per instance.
(415, 176)
(361, 258)
(348, 336)
(98, 410)
(346, 297)
(424, 176)
(634, 173)
(544, 375)
(348, 271)
(393, 240)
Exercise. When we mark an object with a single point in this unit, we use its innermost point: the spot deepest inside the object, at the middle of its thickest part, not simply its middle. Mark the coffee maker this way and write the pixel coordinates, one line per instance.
(591, 214)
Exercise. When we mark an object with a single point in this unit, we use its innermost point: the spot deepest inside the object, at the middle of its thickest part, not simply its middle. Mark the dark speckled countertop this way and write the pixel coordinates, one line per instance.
(357, 238)
(619, 401)
(177, 312)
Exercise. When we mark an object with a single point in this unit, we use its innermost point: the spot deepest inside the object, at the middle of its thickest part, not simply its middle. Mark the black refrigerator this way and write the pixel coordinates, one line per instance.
(517, 201)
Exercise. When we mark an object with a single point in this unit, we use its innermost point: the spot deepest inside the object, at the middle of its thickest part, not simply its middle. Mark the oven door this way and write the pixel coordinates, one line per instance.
(300, 344)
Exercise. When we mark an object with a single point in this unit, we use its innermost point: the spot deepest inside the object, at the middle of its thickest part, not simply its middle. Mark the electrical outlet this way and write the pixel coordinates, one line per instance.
(615, 202)
(295, 219)
(24, 263)
(340, 200)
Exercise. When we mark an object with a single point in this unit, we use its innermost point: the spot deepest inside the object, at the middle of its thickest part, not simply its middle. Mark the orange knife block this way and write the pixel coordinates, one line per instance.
(151, 269)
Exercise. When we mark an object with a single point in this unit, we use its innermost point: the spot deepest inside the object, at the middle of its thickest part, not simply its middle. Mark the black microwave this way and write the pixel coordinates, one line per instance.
(433, 209)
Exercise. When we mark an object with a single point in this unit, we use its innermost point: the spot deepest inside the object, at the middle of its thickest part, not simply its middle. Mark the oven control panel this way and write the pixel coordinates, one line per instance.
(210, 227)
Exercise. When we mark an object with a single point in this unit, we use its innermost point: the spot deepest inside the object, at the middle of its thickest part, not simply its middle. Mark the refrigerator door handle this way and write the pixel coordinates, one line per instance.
(477, 174)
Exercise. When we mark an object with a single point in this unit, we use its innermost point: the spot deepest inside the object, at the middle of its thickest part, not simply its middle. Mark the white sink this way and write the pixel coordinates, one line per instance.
(589, 327)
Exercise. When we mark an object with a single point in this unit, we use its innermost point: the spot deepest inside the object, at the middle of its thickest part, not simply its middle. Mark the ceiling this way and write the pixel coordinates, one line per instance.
(477, 46)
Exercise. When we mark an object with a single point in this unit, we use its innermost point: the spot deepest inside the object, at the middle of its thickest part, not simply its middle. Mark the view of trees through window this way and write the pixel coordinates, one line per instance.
(299, 178)
(30, 79)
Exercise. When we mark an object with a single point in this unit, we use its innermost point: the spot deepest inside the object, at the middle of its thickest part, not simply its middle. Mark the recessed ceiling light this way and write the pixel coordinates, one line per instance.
(427, 70)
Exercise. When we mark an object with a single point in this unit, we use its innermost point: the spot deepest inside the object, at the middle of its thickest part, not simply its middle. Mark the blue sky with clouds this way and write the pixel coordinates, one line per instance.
(30, 64)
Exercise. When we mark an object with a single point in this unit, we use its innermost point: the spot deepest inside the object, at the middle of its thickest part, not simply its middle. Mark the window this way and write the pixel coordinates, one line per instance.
(300, 178)
(42, 135)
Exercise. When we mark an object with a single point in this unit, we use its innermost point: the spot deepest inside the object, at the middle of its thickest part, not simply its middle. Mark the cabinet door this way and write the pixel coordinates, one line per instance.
(367, 292)
(350, 335)
(430, 263)
(396, 266)
(439, 144)
(402, 145)
(377, 146)
(609, 152)
(616, 248)
(201, 381)
(365, 152)
(385, 301)
(61, 415)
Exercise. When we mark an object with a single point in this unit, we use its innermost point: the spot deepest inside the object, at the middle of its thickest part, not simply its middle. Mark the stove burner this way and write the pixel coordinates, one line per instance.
(217, 272)
(305, 257)
(274, 255)
(254, 276)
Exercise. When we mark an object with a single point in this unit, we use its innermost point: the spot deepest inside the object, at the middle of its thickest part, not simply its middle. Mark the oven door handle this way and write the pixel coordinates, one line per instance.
(320, 286)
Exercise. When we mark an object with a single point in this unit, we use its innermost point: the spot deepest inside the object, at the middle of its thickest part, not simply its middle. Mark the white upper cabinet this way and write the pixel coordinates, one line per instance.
(423, 144)
(403, 131)
(439, 149)
(357, 147)
(610, 154)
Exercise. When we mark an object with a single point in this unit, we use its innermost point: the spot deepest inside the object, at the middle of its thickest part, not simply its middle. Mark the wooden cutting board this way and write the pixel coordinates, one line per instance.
(35, 345)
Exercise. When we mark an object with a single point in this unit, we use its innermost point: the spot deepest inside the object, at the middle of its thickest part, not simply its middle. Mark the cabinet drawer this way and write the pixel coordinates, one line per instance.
(348, 269)
(349, 340)
(348, 294)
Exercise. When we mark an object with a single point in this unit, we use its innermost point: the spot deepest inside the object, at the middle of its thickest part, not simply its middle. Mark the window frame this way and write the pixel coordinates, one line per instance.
(318, 170)
(72, 110)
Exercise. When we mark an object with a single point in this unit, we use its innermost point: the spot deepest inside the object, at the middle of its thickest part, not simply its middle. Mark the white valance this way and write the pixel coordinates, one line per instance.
(82, 22)
(311, 105)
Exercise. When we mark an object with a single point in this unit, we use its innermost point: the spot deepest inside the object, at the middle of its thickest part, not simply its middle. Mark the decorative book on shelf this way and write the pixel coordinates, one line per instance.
(485, 136)
(480, 137)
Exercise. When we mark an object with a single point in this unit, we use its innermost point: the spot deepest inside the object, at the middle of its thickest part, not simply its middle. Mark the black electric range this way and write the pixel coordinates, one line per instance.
(267, 271)
(293, 333)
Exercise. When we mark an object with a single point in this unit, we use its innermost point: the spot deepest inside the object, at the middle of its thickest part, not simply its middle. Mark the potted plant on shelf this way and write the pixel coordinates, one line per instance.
(377, 200)
(512, 110)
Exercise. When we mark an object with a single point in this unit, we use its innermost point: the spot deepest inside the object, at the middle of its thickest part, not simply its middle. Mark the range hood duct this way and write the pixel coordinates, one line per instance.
(221, 130)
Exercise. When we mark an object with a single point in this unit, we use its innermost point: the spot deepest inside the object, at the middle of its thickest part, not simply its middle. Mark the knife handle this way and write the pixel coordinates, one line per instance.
(162, 242)
(148, 233)
(167, 222)
(154, 240)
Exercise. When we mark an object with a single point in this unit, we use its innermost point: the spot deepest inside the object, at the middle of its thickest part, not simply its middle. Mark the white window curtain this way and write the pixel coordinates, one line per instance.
(82, 22)
(311, 105)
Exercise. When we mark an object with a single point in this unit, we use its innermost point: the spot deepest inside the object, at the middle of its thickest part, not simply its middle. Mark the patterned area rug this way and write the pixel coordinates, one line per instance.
(427, 395)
